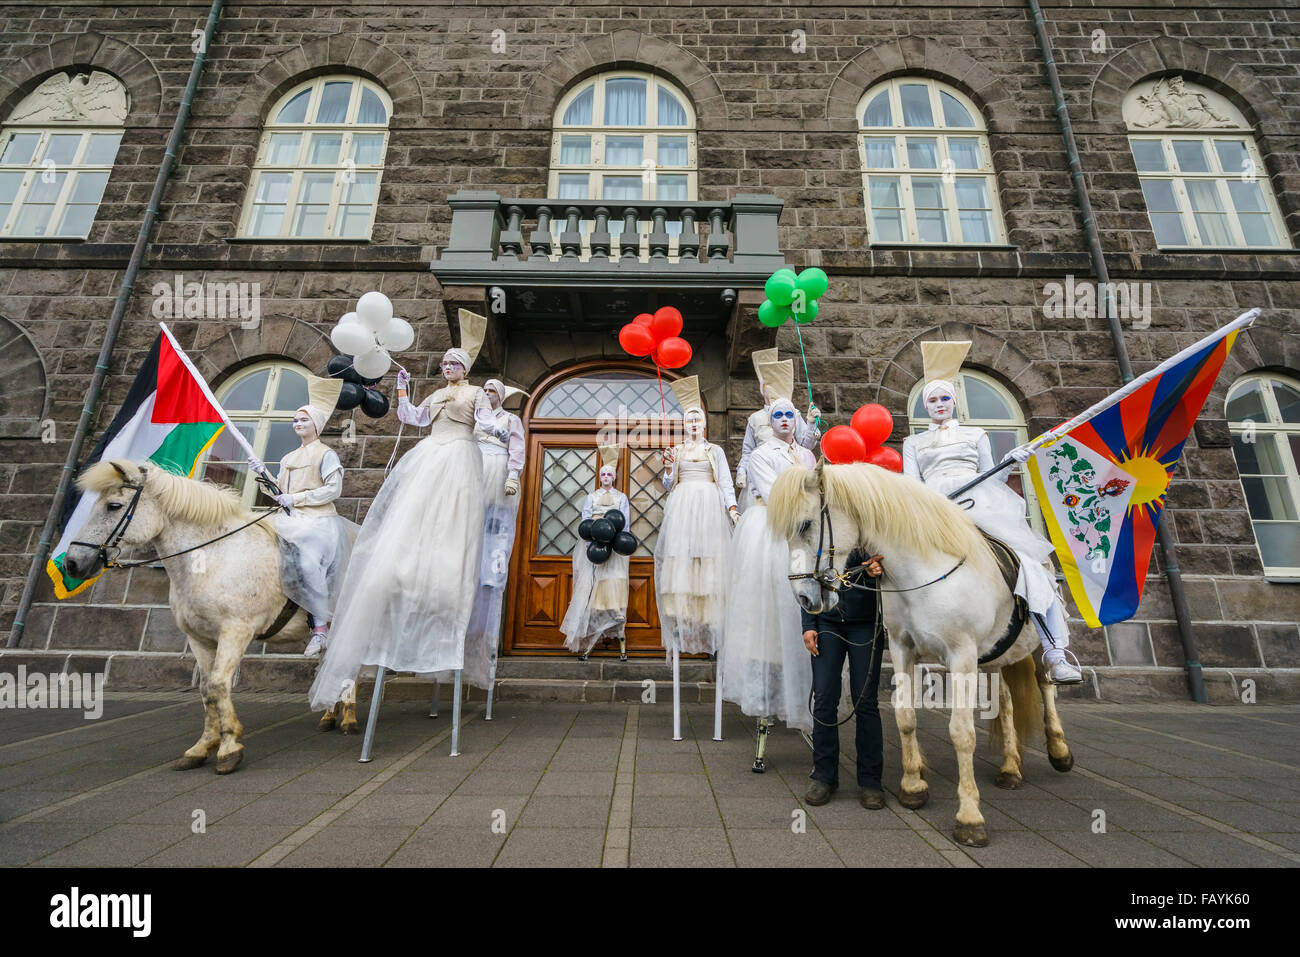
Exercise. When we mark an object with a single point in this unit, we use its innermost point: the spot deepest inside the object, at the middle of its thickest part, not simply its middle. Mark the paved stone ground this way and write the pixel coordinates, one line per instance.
(588, 785)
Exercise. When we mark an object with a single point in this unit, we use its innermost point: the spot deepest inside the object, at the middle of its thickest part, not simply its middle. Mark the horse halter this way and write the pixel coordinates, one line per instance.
(118, 532)
(827, 577)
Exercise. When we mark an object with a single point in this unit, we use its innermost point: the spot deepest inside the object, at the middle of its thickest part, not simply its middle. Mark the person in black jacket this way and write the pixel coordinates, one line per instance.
(848, 629)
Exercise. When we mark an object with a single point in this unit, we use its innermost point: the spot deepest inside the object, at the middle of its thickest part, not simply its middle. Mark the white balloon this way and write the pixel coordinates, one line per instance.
(397, 335)
(371, 365)
(352, 338)
(349, 317)
(374, 309)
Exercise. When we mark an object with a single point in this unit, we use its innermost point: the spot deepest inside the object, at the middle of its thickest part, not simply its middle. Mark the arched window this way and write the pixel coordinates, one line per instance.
(927, 172)
(624, 136)
(984, 402)
(56, 152)
(1200, 170)
(260, 401)
(320, 162)
(1263, 411)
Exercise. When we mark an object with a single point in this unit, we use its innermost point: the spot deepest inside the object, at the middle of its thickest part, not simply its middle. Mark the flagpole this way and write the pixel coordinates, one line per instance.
(1241, 322)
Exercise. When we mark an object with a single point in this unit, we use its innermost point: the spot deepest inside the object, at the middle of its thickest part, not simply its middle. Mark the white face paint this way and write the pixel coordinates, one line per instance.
(494, 400)
(607, 476)
(303, 426)
(940, 405)
(694, 422)
(452, 370)
(783, 423)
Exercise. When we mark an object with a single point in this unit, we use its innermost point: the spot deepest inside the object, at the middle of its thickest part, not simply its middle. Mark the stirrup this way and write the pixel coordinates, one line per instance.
(1047, 669)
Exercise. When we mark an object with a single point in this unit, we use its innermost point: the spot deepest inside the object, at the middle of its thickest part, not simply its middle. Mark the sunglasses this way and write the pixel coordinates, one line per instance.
(783, 415)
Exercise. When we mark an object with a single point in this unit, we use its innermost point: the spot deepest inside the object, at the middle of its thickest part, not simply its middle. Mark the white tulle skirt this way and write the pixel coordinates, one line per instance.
(598, 607)
(691, 565)
(314, 552)
(1000, 512)
(765, 668)
(409, 591)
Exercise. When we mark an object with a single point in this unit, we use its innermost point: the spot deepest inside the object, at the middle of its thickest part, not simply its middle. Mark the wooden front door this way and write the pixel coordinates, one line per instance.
(560, 469)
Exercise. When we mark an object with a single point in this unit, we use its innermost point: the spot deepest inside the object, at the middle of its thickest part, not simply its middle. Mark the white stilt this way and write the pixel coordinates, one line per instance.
(433, 705)
(492, 683)
(368, 741)
(455, 716)
(717, 697)
(677, 696)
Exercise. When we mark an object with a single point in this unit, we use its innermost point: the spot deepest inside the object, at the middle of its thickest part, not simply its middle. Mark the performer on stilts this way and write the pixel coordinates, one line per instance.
(407, 598)
(692, 552)
(314, 539)
(765, 668)
(502, 449)
(598, 607)
(758, 429)
(948, 455)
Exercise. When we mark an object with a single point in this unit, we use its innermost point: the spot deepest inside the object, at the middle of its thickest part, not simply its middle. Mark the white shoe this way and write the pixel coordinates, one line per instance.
(317, 644)
(1064, 673)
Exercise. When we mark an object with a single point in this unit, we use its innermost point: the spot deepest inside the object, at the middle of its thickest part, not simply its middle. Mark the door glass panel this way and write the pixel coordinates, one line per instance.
(605, 394)
(646, 497)
(568, 474)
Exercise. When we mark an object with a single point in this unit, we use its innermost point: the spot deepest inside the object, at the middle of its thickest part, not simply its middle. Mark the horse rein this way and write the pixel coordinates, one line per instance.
(118, 532)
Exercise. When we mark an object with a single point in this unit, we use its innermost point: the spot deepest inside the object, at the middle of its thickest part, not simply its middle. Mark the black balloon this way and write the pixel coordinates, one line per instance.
(374, 404)
(616, 516)
(584, 530)
(597, 553)
(602, 530)
(350, 396)
(340, 367)
(625, 543)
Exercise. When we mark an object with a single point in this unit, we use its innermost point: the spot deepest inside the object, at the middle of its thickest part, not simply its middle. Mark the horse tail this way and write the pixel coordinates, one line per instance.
(1026, 704)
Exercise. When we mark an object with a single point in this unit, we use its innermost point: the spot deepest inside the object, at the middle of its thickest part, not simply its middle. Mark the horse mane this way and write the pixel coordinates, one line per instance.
(888, 508)
(184, 499)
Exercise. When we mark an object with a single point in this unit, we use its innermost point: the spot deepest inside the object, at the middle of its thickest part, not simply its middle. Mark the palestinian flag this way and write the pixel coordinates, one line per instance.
(169, 418)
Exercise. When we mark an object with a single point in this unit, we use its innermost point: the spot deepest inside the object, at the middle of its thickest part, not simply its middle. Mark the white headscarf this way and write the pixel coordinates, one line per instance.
(937, 385)
(457, 355)
(497, 386)
(315, 414)
(780, 404)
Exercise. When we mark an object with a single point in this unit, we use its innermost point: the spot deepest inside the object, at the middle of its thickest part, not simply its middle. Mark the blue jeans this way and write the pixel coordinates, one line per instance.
(835, 640)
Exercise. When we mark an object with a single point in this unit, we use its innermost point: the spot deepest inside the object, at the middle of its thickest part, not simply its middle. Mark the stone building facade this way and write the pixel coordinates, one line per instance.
(775, 95)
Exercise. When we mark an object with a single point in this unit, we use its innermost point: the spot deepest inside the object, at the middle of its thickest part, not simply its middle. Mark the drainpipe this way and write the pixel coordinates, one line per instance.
(114, 326)
(1173, 574)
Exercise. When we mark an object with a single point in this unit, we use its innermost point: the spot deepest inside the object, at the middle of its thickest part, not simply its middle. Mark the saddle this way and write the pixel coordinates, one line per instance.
(1009, 565)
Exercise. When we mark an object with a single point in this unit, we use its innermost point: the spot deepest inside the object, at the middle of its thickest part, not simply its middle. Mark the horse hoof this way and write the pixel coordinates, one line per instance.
(349, 727)
(187, 763)
(1063, 764)
(972, 835)
(230, 762)
(327, 723)
(913, 799)
(1009, 780)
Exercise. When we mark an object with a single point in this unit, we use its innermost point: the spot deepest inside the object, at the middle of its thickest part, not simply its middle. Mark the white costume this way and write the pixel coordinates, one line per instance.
(598, 606)
(502, 449)
(947, 456)
(758, 428)
(765, 667)
(407, 599)
(692, 553)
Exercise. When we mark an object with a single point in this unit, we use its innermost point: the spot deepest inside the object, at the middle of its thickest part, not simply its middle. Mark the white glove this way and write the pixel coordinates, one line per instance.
(733, 513)
(502, 434)
(256, 464)
(403, 379)
(1020, 454)
(813, 414)
(741, 479)
(285, 499)
(512, 486)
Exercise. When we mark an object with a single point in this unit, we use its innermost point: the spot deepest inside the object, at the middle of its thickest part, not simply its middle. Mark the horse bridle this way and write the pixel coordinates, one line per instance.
(840, 582)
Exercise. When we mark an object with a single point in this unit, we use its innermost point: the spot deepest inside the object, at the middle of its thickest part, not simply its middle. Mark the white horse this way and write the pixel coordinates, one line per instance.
(944, 599)
(223, 595)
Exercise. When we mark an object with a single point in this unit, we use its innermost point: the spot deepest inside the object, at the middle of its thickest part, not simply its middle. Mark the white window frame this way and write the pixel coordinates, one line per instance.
(32, 170)
(946, 171)
(341, 170)
(1217, 175)
(1272, 425)
(263, 417)
(1017, 424)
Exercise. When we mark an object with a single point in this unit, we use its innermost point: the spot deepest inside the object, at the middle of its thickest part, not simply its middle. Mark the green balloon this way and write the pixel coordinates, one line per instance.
(785, 271)
(770, 314)
(814, 282)
(809, 313)
(780, 288)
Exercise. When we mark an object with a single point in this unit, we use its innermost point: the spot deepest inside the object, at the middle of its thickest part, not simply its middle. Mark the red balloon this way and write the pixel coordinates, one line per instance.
(874, 423)
(636, 340)
(666, 324)
(674, 353)
(886, 458)
(644, 319)
(842, 445)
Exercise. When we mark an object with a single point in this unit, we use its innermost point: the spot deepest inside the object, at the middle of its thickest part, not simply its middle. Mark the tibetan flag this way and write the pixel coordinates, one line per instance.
(169, 418)
(1101, 477)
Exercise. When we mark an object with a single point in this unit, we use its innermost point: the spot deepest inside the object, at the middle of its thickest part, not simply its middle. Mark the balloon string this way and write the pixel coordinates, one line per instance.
(806, 379)
(663, 408)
